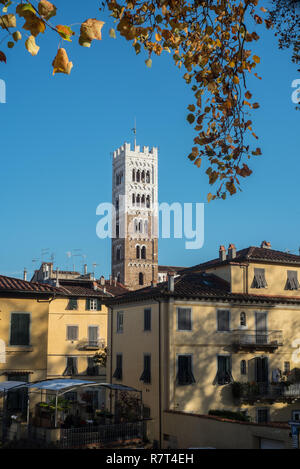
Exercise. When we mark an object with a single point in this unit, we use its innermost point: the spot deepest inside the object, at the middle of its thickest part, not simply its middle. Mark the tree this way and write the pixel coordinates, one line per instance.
(208, 39)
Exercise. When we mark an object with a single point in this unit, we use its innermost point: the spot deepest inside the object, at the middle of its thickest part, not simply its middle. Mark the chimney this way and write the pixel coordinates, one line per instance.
(231, 251)
(102, 280)
(115, 281)
(110, 279)
(95, 286)
(222, 253)
(25, 274)
(57, 281)
(266, 245)
(171, 276)
(85, 269)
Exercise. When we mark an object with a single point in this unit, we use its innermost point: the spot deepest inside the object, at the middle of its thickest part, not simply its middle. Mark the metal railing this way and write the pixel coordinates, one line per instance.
(268, 391)
(87, 344)
(246, 338)
(101, 434)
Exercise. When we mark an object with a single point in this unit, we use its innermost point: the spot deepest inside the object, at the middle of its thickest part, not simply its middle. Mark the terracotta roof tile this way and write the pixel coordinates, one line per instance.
(10, 284)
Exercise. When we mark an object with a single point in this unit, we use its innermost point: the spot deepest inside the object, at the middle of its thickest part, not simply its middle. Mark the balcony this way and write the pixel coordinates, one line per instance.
(250, 393)
(252, 340)
(91, 344)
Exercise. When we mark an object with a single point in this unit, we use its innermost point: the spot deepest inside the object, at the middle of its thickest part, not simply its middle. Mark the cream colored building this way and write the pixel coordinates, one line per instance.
(222, 335)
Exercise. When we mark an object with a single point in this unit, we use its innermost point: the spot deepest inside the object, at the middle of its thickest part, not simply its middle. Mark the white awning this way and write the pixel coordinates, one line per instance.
(60, 384)
(10, 385)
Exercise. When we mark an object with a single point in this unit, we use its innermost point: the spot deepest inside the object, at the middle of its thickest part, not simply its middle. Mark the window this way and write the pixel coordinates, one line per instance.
(133, 199)
(148, 201)
(72, 332)
(119, 367)
(17, 400)
(93, 304)
(71, 368)
(185, 374)
(259, 280)
(138, 176)
(93, 334)
(224, 370)
(143, 176)
(92, 368)
(184, 319)
(120, 320)
(292, 280)
(146, 227)
(138, 251)
(117, 230)
(146, 412)
(72, 304)
(262, 415)
(133, 175)
(143, 201)
(143, 252)
(147, 319)
(243, 320)
(118, 254)
(223, 320)
(146, 375)
(138, 199)
(286, 368)
(141, 278)
(148, 176)
(243, 367)
(20, 329)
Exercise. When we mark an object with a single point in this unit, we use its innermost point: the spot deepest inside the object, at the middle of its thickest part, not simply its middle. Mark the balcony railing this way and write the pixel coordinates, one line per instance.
(87, 344)
(254, 340)
(266, 392)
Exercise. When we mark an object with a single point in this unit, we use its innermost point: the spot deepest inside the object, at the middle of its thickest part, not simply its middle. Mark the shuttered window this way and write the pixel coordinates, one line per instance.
(20, 329)
(147, 319)
(93, 304)
(118, 374)
(146, 375)
(72, 304)
(224, 370)
(71, 368)
(223, 319)
(93, 333)
(120, 321)
(185, 374)
(184, 319)
(259, 280)
(292, 280)
(72, 332)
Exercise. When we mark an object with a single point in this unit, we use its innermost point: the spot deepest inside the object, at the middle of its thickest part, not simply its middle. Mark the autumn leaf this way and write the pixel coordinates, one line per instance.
(8, 21)
(148, 62)
(209, 197)
(190, 118)
(46, 9)
(24, 10)
(90, 30)
(31, 46)
(2, 57)
(34, 24)
(112, 33)
(17, 36)
(256, 59)
(65, 32)
(61, 62)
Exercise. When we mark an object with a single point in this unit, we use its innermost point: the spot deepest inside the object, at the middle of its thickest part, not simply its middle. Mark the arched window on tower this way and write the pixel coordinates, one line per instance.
(138, 199)
(143, 176)
(148, 201)
(138, 252)
(136, 225)
(133, 199)
(143, 201)
(133, 175)
(143, 252)
(140, 226)
(118, 254)
(146, 228)
(138, 176)
(148, 176)
(118, 277)
(141, 278)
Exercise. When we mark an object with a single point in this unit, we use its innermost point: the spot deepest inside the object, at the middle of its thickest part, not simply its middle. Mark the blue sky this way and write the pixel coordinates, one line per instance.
(58, 133)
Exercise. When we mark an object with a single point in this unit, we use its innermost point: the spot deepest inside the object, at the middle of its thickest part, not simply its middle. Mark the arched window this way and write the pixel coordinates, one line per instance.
(140, 226)
(117, 204)
(138, 252)
(133, 199)
(143, 201)
(138, 176)
(143, 252)
(146, 227)
(133, 175)
(148, 176)
(136, 225)
(118, 254)
(141, 278)
(138, 199)
(243, 320)
(143, 176)
(243, 367)
(148, 201)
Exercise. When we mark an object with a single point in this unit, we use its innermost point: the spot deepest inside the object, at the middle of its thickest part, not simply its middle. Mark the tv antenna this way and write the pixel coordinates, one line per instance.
(134, 132)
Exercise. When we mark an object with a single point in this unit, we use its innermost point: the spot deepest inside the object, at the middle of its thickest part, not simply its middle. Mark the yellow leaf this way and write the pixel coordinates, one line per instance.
(61, 62)
(90, 29)
(31, 46)
(148, 62)
(158, 37)
(112, 33)
(256, 59)
(34, 24)
(17, 36)
(236, 80)
(46, 9)
(209, 197)
(8, 21)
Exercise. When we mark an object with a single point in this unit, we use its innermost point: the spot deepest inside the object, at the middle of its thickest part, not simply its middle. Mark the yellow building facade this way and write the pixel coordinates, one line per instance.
(223, 335)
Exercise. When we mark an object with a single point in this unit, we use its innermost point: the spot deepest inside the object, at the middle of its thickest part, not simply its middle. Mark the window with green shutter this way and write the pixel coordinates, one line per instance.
(223, 320)
(147, 319)
(185, 373)
(184, 319)
(20, 329)
(72, 304)
(146, 375)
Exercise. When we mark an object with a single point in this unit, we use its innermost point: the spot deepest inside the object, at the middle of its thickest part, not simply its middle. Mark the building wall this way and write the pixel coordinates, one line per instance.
(194, 431)
(31, 358)
(59, 348)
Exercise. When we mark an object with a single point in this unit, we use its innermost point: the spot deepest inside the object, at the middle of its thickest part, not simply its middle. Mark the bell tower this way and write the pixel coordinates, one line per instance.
(134, 254)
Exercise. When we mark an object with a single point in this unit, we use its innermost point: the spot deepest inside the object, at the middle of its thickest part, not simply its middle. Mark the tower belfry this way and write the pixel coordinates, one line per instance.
(134, 197)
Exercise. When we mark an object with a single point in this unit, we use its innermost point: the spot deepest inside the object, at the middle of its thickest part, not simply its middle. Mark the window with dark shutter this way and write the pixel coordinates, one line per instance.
(292, 280)
(146, 375)
(223, 320)
(20, 329)
(243, 367)
(120, 321)
(147, 319)
(224, 370)
(185, 373)
(71, 368)
(259, 280)
(262, 415)
(72, 332)
(184, 319)
(119, 367)
(72, 304)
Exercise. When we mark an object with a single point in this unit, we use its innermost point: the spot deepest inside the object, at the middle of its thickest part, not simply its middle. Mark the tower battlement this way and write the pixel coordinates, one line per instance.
(136, 151)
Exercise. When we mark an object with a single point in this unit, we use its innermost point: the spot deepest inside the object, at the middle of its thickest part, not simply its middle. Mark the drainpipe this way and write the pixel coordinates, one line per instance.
(111, 356)
(159, 374)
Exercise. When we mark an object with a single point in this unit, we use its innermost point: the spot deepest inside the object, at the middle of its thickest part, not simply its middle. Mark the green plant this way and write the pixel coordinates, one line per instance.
(228, 414)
